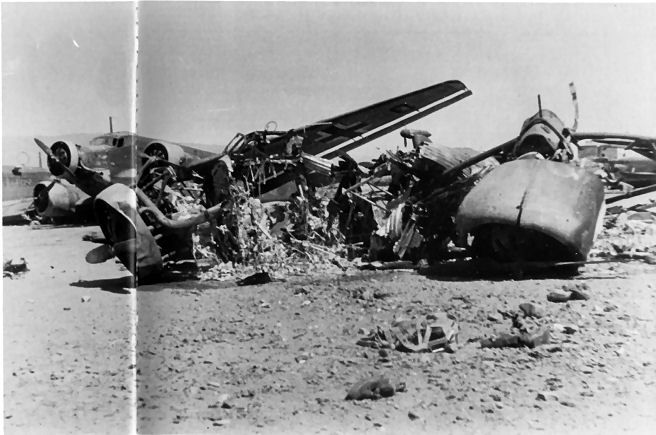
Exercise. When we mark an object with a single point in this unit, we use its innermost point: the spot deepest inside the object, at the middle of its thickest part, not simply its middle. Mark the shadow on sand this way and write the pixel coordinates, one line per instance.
(476, 269)
(113, 285)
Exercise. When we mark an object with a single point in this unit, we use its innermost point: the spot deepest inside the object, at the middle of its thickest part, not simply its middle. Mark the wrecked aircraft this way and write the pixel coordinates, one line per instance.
(530, 200)
(116, 156)
(525, 200)
(150, 226)
(17, 185)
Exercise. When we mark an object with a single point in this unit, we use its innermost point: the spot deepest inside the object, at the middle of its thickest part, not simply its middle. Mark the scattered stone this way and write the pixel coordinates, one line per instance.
(247, 393)
(322, 400)
(255, 279)
(222, 422)
(412, 415)
(558, 297)
(577, 295)
(569, 293)
(224, 401)
(302, 358)
(570, 329)
(85, 299)
(578, 291)
(524, 340)
(373, 388)
(214, 385)
(531, 310)
(564, 329)
(493, 318)
(544, 396)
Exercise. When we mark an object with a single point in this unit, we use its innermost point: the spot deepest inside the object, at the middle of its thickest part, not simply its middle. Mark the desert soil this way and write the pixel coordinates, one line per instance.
(280, 357)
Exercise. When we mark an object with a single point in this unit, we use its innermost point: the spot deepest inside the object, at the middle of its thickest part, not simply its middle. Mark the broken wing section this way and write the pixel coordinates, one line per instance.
(643, 145)
(331, 137)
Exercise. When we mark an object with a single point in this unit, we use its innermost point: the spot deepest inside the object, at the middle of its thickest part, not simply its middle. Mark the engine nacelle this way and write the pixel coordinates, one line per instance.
(56, 199)
(68, 155)
(166, 151)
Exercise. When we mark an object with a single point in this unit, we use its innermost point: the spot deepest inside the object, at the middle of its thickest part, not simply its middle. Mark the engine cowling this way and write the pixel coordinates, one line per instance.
(166, 151)
(68, 155)
(56, 199)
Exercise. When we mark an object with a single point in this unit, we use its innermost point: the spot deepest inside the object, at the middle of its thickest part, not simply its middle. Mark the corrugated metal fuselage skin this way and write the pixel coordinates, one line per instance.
(557, 200)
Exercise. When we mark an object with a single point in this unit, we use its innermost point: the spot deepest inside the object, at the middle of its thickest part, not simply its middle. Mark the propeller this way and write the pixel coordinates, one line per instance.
(40, 200)
(52, 157)
(43, 194)
(575, 101)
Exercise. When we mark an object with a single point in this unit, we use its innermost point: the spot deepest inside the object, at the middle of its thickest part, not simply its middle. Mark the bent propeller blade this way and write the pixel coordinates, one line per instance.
(52, 156)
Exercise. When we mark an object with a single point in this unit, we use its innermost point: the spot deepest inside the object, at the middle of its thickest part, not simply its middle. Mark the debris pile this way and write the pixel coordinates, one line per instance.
(526, 329)
(414, 218)
(402, 210)
(374, 388)
(14, 269)
(432, 333)
(628, 234)
(570, 292)
(278, 239)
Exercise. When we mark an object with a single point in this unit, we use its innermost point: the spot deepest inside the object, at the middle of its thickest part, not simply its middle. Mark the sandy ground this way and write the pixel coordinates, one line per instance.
(279, 358)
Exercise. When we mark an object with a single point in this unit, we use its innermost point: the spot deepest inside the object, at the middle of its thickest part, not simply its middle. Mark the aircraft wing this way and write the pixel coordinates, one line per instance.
(330, 137)
(645, 146)
(13, 211)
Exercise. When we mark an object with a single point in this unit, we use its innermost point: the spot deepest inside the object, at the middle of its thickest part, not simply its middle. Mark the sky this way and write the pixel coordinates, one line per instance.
(207, 70)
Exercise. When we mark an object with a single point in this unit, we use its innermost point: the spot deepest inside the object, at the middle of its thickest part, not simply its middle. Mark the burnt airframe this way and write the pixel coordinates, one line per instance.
(526, 200)
(145, 226)
(530, 199)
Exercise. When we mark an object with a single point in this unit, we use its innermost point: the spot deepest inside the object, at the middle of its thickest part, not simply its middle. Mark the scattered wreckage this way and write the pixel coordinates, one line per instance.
(526, 200)
(13, 268)
(150, 225)
(529, 200)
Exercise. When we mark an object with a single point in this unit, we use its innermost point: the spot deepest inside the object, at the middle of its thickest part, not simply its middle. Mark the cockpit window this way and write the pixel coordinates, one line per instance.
(100, 140)
(118, 142)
